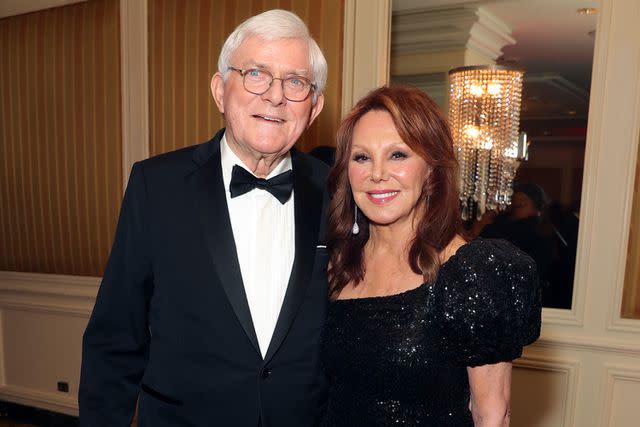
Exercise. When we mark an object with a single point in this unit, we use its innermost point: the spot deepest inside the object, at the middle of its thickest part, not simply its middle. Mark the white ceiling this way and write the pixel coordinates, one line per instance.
(552, 44)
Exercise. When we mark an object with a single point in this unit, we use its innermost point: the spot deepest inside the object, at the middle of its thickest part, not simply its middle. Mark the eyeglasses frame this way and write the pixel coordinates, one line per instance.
(242, 72)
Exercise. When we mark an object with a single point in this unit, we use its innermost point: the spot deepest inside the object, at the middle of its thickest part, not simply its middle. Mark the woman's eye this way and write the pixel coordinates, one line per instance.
(360, 158)
(397, 155)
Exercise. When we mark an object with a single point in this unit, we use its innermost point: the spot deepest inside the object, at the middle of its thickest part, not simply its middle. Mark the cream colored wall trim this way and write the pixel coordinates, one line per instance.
(614, 376)
(18, 7)
(623, 325)
(615, 321)
(48, 293)
(569, 367)
(52, 401)
(135, 83)
(589, 344)
(366, 48)
(611, 145)
(554, 316)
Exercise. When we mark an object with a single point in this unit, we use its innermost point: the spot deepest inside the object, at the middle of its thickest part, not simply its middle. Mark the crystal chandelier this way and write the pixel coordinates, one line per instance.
(484, 113)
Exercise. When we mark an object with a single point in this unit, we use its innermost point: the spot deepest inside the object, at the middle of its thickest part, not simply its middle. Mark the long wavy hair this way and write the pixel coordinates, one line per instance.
(424, 129)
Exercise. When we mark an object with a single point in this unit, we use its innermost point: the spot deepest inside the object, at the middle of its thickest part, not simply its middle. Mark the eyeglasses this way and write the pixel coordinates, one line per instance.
(258, 81)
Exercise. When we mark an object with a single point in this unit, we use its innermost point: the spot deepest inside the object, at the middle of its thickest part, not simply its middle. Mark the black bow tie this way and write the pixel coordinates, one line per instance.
(280, 186)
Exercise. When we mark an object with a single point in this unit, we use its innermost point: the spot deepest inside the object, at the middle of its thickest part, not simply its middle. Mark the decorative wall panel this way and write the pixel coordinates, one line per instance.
(622, 397)
(60, 138)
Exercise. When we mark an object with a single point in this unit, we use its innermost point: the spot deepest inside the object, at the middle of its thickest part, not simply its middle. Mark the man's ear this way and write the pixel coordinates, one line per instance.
(217, 91)
(315, 110)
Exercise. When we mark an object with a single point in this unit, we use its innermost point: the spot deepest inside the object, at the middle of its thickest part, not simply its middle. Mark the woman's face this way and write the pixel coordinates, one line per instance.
(386, 176)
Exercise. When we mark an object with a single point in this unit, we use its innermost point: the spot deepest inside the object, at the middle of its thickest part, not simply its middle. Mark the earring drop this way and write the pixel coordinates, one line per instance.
(355, 229)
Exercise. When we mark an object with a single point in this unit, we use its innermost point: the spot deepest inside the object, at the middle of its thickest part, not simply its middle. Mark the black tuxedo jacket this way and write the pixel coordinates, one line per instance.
(171, 324)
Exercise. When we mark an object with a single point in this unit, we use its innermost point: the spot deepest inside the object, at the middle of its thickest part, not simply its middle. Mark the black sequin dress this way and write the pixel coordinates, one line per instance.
(400, 360)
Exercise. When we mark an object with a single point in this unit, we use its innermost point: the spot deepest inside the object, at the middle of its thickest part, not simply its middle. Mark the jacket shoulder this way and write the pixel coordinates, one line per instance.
(315, 168)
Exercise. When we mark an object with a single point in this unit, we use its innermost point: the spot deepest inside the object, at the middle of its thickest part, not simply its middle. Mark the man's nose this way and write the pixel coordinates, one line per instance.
(275, 93)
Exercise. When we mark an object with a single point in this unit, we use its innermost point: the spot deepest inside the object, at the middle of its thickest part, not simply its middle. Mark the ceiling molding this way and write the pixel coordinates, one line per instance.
(559, 82)
(431, 30)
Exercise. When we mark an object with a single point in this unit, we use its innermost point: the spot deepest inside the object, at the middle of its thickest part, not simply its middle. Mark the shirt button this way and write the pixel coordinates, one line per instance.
(266, 373)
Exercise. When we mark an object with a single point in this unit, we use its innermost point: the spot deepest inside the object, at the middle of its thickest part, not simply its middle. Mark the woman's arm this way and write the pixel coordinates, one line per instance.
(490, 394)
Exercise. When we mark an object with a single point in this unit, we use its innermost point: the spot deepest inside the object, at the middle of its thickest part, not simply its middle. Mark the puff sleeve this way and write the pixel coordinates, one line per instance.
(490, 303)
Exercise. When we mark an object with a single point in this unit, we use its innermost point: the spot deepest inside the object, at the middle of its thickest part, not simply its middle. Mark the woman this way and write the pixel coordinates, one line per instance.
(421, 326)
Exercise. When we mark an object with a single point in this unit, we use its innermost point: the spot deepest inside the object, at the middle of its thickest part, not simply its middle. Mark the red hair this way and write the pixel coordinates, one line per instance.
(424, 129)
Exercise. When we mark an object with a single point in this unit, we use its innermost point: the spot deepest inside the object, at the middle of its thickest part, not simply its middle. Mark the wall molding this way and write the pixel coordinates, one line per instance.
(562, 317)
(609, 162)
(615, 374)
(134, 54)
(366, 48)
(57, 402)
(598, 344)
(48, 293)
(569, 367)
(616, 322)
(434, 29)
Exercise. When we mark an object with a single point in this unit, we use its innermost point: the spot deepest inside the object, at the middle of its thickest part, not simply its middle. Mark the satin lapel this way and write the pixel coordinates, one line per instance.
(213, 213)
(307, 211)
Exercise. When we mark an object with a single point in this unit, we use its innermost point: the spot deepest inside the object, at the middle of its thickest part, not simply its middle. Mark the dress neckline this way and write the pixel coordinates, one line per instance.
(408, 292)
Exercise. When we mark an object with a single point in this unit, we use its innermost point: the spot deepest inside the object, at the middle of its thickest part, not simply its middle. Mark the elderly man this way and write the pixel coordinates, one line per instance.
(214, 295)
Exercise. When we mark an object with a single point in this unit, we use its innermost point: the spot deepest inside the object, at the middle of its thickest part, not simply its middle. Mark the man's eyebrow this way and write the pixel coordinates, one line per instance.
(253, 64)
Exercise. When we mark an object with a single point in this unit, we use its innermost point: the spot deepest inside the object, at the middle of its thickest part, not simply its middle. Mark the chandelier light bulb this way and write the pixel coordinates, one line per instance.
(494, 89)
(472, 132)
(476, 90)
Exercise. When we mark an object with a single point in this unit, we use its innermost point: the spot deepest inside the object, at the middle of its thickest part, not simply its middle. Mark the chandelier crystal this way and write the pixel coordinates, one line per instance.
(484, 113)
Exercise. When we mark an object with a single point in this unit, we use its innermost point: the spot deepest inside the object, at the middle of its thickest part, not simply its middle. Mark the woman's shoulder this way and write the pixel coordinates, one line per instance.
(485, 255)
(492, 268)
(490, 300)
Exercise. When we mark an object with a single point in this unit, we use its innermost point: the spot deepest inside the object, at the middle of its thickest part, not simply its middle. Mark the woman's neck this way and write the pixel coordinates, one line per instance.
(391, 239)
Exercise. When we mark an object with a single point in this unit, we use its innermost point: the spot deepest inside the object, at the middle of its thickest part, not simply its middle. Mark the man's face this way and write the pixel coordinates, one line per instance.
(266, 125)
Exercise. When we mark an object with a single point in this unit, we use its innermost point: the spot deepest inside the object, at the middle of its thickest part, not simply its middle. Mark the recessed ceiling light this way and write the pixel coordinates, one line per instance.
(586, 10)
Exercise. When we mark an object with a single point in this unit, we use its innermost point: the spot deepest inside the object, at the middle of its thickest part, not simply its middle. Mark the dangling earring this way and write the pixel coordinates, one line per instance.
(355, 229)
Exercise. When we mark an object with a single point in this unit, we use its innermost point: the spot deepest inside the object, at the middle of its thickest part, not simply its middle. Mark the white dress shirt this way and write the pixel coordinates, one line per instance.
(264, 234)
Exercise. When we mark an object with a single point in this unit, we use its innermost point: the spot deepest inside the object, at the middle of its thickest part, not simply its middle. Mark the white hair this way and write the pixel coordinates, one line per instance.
(273, 25)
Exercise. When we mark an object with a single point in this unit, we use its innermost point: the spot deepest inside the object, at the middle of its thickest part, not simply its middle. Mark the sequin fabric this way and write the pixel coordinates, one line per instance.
(400, 360)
